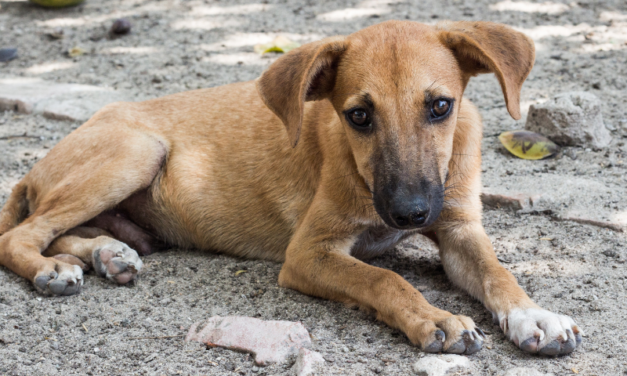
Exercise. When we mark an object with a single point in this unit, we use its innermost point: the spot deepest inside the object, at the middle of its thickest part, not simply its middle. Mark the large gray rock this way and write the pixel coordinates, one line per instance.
(55, 101)
(441, 365)
(572, 118)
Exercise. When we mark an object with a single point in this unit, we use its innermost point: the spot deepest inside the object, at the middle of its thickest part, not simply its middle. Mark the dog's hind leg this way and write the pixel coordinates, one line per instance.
(15, 210)
(90, 171)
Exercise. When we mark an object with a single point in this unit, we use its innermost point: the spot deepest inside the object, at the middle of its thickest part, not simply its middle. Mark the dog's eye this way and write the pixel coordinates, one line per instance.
(359, 118)
(440, 107)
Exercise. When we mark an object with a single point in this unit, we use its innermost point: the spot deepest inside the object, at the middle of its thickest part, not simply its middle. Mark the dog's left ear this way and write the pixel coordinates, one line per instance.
(304, 74)
(482, 47)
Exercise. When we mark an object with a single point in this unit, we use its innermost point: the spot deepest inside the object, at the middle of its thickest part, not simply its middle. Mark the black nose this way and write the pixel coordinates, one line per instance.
(410, 215)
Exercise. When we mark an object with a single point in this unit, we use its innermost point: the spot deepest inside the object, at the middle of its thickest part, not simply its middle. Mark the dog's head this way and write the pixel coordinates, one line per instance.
(397, 87)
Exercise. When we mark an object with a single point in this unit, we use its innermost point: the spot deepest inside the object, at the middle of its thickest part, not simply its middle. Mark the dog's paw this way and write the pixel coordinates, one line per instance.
(453, 335)
(539, 331)
(117, 262)
(65, 280)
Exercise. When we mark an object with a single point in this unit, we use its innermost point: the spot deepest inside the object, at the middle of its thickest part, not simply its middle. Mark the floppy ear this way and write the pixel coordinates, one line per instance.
(482, 47)
(304, 74)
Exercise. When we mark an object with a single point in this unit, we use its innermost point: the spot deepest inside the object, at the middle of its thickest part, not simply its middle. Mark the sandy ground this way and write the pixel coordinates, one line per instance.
(178, 45)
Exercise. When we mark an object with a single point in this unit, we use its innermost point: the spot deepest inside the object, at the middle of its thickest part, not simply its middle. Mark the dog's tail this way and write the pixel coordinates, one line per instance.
(15, 210)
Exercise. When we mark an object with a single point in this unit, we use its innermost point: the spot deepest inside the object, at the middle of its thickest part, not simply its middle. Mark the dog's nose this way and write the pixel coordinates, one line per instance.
(410, 215)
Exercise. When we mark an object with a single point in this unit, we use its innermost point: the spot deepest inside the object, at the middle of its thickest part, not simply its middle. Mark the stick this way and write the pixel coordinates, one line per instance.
(17, 136)
(159, 337)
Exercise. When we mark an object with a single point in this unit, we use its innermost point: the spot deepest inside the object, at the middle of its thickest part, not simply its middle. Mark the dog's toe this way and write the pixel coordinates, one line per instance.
(539, 331)
(530, 345)
(551, 349)
(117, 262)
(67, 281)
(436, 345)
(470, 343)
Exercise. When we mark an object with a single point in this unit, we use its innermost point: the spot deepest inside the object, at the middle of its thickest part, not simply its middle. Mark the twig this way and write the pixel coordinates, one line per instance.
(159, 337)
(84, 327)
(18, 136)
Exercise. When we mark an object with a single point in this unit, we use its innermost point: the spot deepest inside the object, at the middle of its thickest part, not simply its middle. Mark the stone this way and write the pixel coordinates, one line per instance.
(306, 362)
(523, 371)
(441, 365)
(515, 200)
(8, 54)
(268, 341)
(570, 119)
(55, 101)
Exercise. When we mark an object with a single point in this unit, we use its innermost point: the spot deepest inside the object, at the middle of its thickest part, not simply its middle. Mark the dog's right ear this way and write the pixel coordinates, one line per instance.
(304, 74)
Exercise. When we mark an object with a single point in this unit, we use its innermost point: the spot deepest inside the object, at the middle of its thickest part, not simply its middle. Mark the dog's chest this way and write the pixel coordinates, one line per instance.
(377, 240)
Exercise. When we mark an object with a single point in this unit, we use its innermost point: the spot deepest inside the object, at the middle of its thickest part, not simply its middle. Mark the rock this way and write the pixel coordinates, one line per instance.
(440, 365)
(570, 119)
(7, 54)
(522, 371)
(268, 341)
(55, 101)
(515, 201)
(306, 362)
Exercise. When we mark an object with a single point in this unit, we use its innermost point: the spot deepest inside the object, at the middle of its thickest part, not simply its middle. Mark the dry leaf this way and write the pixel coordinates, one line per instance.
(240, 272)
(75, 51)
(279, 44)
(528, 145)
(574, 370)
(56, 3)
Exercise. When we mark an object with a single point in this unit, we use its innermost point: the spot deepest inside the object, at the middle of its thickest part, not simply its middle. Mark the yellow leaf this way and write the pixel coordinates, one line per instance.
(75, 51)
(240, 272)
(574, 370)
(528, 145)
(279, 44)
(56, 3)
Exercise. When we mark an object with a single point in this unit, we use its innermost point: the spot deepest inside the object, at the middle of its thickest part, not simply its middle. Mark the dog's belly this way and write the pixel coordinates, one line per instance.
(200, 224)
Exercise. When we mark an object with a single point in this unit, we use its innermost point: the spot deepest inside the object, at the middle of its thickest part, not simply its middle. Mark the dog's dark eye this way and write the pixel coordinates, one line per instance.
(440, 107)
(359, 118)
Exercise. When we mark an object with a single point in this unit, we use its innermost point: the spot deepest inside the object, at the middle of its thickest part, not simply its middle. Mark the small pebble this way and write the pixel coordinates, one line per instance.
(121, 26)
(8, 54)
(57, 33)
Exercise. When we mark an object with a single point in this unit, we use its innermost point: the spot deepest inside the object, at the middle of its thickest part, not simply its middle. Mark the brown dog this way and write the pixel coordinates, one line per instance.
(380, 145)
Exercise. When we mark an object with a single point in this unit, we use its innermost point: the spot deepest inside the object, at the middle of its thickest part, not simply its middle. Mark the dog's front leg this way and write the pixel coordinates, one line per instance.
(470, 262)
(318, 263)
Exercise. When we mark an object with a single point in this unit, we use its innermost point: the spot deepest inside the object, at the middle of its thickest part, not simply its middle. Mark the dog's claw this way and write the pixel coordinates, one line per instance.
(480, 332)
(440, 335)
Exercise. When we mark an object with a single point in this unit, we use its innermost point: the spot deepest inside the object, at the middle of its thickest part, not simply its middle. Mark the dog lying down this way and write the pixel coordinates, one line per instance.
(340, 150)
